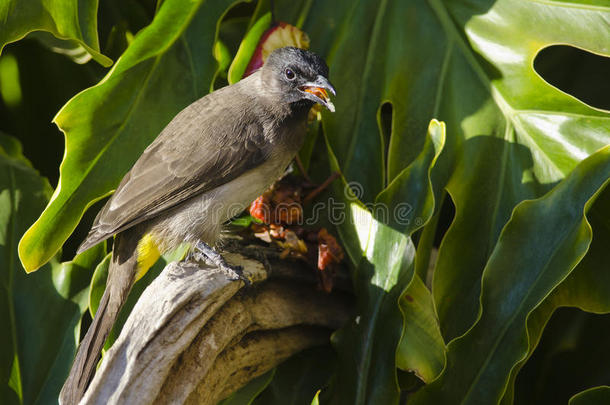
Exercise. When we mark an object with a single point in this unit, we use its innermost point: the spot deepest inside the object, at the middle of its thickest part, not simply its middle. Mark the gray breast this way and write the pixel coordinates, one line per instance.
(202, 217)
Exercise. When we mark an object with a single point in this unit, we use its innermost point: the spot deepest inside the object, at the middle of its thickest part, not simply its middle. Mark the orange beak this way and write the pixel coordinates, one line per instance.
(318, 90)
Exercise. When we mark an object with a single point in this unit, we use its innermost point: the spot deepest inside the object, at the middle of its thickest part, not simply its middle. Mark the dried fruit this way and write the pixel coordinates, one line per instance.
(280, 205)
(260, 208)
(329, 251)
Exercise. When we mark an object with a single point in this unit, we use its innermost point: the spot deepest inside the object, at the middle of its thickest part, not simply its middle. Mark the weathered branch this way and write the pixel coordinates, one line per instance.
(195, 337)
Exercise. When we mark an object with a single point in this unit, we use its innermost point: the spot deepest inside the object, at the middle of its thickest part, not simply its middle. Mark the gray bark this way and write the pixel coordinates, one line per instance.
(196, 337)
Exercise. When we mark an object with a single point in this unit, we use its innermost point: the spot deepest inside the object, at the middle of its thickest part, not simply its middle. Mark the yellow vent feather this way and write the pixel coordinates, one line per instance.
(148, 254)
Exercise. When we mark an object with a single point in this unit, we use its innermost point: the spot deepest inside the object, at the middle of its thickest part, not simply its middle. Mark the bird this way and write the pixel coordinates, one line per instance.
(208, 164)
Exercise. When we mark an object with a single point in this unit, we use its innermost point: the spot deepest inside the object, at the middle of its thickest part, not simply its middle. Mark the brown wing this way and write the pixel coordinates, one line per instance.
(209, 143)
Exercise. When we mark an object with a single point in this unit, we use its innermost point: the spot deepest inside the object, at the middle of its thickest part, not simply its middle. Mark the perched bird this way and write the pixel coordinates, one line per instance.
(213, 159)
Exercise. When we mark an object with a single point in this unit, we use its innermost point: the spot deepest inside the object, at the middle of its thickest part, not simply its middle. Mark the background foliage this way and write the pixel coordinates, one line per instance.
(507, 194)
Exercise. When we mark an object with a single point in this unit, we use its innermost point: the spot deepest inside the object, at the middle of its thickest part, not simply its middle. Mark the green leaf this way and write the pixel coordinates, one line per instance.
(245, 221)
(297, 380)
(383, 258)
(421, 348)
(246, 394)
(570, 357)
(70, 49)
(470, 64)
(592, 396)
(368, 343)
(11, 148)
(40, 312)
(586, 287)
(407, 191)
(316, 399)
(98, 284)
(71, 20)
(247, 48)
(109, 125)
(538, 248)
(521, 135)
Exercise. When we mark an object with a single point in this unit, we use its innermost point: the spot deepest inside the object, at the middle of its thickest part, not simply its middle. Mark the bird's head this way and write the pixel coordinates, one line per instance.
(300, 77)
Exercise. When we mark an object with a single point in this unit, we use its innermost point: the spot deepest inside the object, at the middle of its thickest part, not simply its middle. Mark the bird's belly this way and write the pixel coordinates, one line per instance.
(202, 217)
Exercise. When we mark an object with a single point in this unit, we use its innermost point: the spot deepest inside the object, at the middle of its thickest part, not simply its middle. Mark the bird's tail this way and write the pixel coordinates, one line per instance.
(120, 280)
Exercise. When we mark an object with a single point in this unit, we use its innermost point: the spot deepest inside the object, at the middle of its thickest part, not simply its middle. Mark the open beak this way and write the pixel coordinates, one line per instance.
(317, 91)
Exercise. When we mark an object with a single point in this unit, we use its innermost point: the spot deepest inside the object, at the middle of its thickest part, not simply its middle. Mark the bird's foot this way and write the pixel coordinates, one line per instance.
(202, 251)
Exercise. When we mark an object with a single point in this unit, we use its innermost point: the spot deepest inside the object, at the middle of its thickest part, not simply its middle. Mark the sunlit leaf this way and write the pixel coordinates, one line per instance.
(383, 258)
(469, 63)
(421, 349)
(538, 248)
(70, 20)
(169, 65)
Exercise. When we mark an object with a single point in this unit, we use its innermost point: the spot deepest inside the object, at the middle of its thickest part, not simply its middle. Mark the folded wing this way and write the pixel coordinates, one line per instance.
(203, 147)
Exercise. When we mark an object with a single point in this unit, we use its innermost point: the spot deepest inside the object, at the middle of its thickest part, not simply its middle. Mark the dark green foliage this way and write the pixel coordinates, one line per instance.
(523, 160)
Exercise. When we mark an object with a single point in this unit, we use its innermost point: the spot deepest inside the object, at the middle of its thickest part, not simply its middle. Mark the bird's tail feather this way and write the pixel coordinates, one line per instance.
(120, 279)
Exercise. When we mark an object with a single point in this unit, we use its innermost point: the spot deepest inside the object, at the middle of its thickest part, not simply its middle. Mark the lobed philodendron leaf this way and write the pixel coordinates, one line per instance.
(383, 255)
(71, 20)
(168, 65)
(537, 249)
(40, 313)
(587, 287)
(592, 396)
(470, 64)
(521, 135)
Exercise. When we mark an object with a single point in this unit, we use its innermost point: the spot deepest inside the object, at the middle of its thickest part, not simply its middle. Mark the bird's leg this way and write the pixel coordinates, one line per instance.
(203, 251)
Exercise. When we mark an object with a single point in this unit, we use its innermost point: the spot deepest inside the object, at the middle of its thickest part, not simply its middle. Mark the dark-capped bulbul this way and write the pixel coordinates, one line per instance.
(213, 159)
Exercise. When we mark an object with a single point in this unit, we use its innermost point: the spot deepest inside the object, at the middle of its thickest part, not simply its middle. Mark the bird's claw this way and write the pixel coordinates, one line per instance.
(235, 273)
(205, 253)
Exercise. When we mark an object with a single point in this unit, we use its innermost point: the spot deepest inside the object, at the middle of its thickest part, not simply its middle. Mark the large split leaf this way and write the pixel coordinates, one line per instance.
(383, 255)
(169, 65)
(538, 248)
(40, 313)
(538, 133)
(72, 20)
(468, 63)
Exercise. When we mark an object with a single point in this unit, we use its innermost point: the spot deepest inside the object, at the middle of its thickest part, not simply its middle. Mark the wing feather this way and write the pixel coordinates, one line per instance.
(209, 143)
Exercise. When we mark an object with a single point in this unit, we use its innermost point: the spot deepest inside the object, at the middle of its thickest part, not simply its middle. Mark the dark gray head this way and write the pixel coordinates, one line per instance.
(299, 76)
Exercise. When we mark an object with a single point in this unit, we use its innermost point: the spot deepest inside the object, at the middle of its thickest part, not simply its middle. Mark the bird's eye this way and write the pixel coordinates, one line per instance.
(289, 74)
